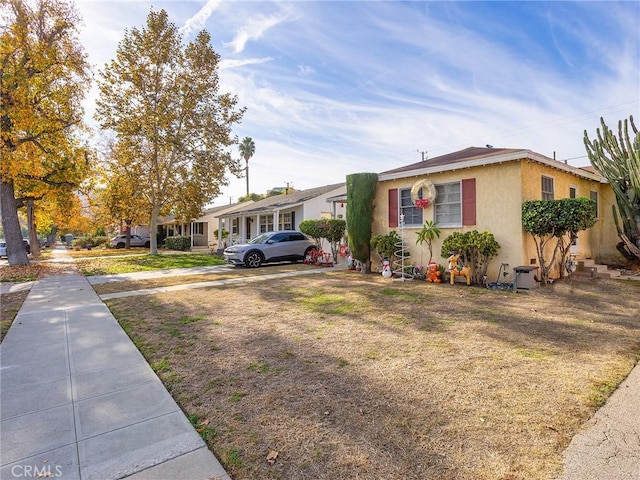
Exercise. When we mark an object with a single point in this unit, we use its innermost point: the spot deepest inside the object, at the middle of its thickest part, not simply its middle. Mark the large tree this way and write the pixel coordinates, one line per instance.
(618, 160)
(43, 79)
(247, 148)
(161, 99)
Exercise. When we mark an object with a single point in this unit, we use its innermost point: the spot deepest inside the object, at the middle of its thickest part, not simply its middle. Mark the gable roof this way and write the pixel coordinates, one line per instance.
(278, 202)
(479, 156)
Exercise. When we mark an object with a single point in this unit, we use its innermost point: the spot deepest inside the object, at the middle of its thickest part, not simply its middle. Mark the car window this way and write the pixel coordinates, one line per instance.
(297, 236)
(261, 238)
(279, 237)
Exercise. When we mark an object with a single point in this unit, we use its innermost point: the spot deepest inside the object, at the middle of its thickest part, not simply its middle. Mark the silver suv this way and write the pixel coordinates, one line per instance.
(119, 241)
(285, 245)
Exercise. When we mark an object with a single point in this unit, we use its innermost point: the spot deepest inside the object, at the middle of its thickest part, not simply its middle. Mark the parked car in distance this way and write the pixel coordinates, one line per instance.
(3, 247)
(120, 241)
(285, 245)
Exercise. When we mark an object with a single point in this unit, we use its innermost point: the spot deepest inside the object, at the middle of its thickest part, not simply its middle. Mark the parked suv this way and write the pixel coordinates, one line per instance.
(120, 241)
(286, 245)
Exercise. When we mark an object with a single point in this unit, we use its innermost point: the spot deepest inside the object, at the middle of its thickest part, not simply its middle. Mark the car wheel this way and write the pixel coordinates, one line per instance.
(147, 244)
(310, 252)
(120, 245)
(253, 259)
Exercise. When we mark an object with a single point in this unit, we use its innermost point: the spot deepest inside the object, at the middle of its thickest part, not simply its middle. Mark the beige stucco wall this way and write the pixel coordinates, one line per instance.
(500, 191)
(498, 200)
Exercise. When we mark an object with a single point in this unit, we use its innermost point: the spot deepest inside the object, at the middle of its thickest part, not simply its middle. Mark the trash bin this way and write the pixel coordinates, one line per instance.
(525, 277)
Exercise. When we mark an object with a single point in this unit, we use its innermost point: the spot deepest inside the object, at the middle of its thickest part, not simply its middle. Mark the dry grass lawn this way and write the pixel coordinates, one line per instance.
(353, 376)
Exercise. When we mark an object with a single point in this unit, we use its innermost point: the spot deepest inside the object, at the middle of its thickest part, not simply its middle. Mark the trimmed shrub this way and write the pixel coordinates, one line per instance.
(182, 244)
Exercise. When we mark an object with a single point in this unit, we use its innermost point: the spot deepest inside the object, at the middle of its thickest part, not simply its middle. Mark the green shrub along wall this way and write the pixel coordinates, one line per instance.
(178, 243)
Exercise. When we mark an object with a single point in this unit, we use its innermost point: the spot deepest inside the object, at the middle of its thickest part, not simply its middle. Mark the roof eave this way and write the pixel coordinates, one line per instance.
(492, 160)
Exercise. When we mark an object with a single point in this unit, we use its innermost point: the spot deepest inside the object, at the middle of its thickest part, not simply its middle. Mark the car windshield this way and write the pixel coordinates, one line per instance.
(261, 238)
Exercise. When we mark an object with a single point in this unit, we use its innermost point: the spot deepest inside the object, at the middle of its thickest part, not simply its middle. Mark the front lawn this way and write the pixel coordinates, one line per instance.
(354, 376)
(145, 262)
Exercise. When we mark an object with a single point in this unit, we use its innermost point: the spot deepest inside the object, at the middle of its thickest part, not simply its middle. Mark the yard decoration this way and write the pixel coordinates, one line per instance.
(386, 269)
(428, 193)
(433, 273)
(456, 270)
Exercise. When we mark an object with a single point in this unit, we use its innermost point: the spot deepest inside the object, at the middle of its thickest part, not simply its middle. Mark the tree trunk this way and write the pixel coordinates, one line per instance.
(153, 228)
(31, 224)
(15, 248)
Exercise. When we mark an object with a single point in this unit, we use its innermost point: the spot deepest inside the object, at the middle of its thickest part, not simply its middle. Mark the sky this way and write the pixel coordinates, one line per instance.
(340, 87)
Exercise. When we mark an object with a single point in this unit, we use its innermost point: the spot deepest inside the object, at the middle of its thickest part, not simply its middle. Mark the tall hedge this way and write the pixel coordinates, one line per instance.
(361, 189)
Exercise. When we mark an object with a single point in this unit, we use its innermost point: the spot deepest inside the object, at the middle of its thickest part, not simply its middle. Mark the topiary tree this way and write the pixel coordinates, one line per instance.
(574, 215)
(558, 221)
(312, 229)
(361, 188)
(618, 160)
(331, 230)
(475, 248)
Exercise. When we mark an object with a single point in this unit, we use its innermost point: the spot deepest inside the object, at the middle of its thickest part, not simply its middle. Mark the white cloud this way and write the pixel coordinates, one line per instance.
(254, 28)
(198, 21)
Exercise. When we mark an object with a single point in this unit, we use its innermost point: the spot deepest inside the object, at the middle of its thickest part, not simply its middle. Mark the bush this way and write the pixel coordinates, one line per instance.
(475, 248)
(178, 243)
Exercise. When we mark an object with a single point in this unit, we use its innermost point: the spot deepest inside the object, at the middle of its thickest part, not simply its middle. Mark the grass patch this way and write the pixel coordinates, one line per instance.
(473, 382)
(141, 263)
(10, 303)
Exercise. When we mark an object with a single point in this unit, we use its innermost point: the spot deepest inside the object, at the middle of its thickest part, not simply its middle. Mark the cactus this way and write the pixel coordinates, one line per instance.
(618, 160)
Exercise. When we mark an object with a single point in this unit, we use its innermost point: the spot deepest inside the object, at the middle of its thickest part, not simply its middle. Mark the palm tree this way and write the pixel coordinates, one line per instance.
(247, 149)
(429, 232)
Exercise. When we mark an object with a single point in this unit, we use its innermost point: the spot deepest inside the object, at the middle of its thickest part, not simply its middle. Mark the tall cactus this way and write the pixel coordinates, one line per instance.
(618, 160)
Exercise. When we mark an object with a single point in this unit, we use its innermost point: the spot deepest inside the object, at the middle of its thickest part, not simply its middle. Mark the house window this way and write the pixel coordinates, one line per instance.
(284, 221)
(412, 214)
(448, 205)
(234, 226)
(573, 192)
(594, 196)
(547, 188)
(198, 228)
(266, 223)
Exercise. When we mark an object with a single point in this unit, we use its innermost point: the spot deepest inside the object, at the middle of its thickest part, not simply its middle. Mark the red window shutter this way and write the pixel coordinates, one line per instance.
(393, 207)
(469, 201)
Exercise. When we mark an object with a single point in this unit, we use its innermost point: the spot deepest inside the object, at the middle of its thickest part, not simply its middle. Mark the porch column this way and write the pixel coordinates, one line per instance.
(276, 216)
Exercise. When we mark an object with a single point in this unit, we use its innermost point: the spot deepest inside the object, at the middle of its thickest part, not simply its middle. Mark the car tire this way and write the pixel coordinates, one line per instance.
(253, 259)
(147, 244)
(120, 245)
(311, 251)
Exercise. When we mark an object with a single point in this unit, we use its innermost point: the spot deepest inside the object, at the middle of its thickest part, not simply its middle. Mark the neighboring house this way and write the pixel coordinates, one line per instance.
(284, 212)
(483, 189)
(203, 230)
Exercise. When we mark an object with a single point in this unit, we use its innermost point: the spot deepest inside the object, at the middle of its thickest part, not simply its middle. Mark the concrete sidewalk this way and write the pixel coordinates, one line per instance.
(609, 446)
(78, 401)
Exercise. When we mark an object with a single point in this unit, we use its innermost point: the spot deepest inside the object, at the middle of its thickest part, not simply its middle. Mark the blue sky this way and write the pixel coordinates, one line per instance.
(334, 87)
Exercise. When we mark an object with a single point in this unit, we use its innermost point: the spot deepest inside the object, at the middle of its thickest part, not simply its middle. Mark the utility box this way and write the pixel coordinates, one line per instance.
(525, 277)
